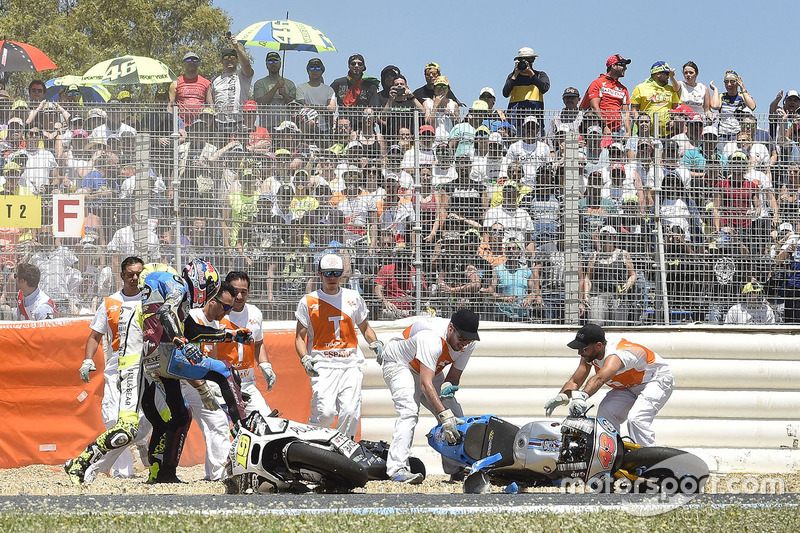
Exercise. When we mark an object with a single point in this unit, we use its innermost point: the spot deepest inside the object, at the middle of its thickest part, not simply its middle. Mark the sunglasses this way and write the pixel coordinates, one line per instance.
(332, 273)
(73, 93)
(273, 61)
(314, 68)
(229, 57)
(192, 60)
(441, 86)
(33, 90)
(225, 307)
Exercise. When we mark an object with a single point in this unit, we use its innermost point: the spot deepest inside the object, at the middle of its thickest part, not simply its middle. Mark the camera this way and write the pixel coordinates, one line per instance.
(523, 64)
(228, 36)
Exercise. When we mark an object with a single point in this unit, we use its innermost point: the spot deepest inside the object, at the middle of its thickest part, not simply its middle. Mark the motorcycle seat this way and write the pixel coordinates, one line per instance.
(496, 436)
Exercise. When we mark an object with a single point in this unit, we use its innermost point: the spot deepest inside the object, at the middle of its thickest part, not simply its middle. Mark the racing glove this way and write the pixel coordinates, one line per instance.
(241, 335)
(269, 374)
(192, 353)
(377, 347)
(448, 391)
(552, 403)
(86, 367)
(308, 364)
(450, 426)
(577, 405)
(207, 395)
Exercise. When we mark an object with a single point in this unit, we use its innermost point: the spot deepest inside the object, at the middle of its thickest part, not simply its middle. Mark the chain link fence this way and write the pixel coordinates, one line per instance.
(541, 218)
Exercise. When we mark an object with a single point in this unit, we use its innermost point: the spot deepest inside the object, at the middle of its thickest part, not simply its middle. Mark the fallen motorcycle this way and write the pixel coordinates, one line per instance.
(585, 450)
(273, 454)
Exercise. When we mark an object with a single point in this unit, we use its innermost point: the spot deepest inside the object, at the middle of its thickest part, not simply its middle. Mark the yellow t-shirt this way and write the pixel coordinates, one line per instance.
(654, 99)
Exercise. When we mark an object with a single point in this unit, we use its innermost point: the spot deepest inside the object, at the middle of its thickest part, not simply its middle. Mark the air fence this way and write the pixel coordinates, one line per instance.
(545, 221)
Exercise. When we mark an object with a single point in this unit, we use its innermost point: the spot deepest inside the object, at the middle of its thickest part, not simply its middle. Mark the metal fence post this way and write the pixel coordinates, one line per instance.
(141, 206)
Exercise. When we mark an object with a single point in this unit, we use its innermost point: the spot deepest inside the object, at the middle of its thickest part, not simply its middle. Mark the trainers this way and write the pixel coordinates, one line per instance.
(404, 476)
(76, 470)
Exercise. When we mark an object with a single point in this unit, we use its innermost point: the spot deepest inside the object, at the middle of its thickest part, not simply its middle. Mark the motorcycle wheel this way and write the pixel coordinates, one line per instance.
(672, 470)
(336, 469)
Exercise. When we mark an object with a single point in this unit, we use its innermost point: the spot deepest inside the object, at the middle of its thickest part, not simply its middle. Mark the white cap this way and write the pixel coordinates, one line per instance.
(526, 51)
(711, 130)
(608, 229)
(786, 226)
(792, 93)
(487, 90)
(331, 262)
(495, 137)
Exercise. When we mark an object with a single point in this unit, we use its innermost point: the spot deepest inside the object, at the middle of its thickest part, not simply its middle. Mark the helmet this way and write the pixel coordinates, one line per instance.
(202, 280)
(149, 268)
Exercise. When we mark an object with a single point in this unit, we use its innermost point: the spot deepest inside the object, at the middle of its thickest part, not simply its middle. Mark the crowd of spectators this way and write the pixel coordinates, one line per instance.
(685, 198)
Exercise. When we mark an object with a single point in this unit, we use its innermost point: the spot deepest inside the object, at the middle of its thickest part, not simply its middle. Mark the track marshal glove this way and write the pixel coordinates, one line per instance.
(308, 364)
(552, 403)
(577, 405)
(450, 426)
(86, 367)
(269, 374)
(377, 347)
(207, 395)
(448, 391)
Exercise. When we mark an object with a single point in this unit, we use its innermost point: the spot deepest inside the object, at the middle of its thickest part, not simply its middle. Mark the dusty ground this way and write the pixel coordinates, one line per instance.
(51, 480)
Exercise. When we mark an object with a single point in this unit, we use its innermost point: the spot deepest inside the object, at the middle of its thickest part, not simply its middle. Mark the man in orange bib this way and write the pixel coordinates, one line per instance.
(326, 342)
(641, 383)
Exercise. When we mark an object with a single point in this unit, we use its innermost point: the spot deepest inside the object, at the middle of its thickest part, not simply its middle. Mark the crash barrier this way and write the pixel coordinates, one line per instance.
(626, 231)
(734, 388)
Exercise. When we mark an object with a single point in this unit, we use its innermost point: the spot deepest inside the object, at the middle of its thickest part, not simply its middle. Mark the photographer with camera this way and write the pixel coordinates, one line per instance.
(525, 88)
(398, 111)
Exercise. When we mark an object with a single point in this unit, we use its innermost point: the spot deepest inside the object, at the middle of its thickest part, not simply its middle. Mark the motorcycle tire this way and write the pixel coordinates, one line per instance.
(336, 469)
(672, 470)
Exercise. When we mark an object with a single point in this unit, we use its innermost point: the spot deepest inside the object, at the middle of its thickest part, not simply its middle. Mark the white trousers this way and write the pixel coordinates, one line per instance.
(256, 401)
(407, 395)
(337, 393)
(638, 405)
(215, 427)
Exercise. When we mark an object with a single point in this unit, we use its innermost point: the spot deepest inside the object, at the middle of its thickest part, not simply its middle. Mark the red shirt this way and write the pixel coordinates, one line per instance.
(395, 290)
(612, 94)
(190, 95)
(736, 202)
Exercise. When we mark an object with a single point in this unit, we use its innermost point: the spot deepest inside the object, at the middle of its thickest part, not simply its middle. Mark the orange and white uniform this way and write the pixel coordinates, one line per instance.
(213, 424)
(638, 391)
(242, 357)
(106, 322)
(331, 321)
(422, 344)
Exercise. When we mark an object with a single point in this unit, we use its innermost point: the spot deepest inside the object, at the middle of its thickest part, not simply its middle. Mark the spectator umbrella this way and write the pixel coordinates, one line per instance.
(89, 93)
(129, 70)
(285, 35)
(21, 57)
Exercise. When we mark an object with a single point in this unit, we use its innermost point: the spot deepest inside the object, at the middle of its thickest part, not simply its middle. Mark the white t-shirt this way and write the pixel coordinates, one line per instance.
(331, 321)
(693, 96)
(37, 170)
(230, 91)
(530, 156)
(517, 222)
(424, 343)
(764, 189)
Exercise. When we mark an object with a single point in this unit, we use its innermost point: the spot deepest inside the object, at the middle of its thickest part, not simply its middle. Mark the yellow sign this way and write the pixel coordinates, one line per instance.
(20, 212)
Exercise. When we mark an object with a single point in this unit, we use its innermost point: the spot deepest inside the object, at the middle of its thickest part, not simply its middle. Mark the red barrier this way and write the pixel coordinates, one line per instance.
(49, 415)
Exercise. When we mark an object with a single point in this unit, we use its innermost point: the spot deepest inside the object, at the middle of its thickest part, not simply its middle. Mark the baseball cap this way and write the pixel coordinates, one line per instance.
(97, 112)
(711, 130)
(738, 155)
(530, 119)
(571, 91)
(228, 52)
(526, 52)
(786, 226)
(487, 90)
(249, 105)
(427, 128)
(73, 87)
(283, 151)
(288, 125)
(616, 58)
(274, 55)
(331, 263)
(465, 322)
(432, 66)
(588, 334)
(16, 120)
(124, 96)
(791, 94)
(483, 131)
(695, 117)
(20, 104)
(441, 80)
(608, 229)
(479, 105)
(595, 129)
(314, 62)
(659, 66)
(682, 109)
(190, 55)
(753, 286)
(495, 137)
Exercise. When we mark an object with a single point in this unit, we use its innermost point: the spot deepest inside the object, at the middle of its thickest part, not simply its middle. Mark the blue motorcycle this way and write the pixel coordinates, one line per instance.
(584, 451)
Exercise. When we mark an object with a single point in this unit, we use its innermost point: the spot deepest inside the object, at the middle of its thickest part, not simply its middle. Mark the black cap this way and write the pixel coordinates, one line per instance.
(315, 61)
(273, 55)
(588, 334)
(227, 52)
(465, 323)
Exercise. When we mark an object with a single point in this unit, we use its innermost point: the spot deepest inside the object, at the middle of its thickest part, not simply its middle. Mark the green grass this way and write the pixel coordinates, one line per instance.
(732, 519)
